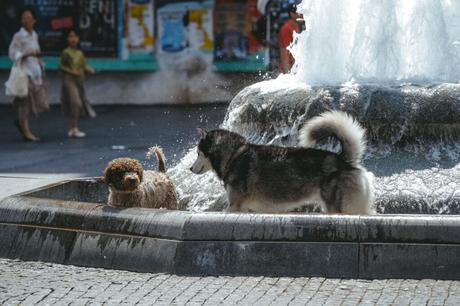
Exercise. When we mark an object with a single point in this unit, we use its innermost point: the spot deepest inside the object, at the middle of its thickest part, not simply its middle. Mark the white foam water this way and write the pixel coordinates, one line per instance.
(197, 192)
(378, 41)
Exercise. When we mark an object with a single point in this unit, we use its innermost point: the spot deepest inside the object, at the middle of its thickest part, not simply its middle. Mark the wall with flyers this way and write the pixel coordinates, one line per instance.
(139, 34)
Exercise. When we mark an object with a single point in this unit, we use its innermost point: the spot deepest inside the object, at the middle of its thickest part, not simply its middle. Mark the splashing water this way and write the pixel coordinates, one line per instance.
(378, 41)
(197, 193)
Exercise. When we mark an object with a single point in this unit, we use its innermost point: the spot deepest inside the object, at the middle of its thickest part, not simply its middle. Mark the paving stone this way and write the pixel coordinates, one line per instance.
(36, 283)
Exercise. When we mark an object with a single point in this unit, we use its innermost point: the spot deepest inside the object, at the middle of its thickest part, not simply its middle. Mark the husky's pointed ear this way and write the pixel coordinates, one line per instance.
(201, 133)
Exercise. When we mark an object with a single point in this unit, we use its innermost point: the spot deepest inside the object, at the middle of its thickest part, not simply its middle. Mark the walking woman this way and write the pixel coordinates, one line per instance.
(25, 52)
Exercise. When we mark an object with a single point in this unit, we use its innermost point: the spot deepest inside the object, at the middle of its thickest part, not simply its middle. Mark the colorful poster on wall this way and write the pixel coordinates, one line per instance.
(140, 26)
(96, 20)
(185, 27)
(233, 30)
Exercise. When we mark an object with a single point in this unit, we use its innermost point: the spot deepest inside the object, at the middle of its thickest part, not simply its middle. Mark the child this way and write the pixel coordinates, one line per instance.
(73, 98)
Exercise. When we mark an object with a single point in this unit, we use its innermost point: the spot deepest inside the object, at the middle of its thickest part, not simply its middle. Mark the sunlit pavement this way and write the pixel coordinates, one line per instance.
(33, 283)
(117, 131)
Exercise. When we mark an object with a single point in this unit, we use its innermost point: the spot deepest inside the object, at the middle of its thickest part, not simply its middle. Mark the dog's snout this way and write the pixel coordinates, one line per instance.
(131, 178)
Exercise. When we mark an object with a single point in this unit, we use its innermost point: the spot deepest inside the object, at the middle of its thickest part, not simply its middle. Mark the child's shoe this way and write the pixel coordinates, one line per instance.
(76, 133)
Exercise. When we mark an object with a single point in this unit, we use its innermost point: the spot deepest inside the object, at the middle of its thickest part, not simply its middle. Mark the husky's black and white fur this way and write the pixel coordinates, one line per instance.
(263, 178)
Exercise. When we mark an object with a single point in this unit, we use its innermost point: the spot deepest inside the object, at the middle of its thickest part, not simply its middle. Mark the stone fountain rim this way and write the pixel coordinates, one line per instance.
(25, 210)
(216, 243)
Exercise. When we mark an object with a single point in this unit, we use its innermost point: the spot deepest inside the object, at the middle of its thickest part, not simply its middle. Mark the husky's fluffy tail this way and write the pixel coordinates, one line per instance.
(341, 126)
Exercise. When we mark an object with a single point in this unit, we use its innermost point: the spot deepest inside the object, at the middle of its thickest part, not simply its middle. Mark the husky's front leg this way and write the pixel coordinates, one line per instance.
(235, 200)
(232, 208)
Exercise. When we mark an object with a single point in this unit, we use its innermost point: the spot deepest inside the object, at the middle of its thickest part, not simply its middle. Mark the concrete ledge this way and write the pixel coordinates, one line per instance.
(92, 234)
(418, 261)
(220, 226)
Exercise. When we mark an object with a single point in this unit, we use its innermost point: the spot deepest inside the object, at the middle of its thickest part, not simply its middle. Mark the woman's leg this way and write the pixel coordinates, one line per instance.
(27, 108)
(27, 133)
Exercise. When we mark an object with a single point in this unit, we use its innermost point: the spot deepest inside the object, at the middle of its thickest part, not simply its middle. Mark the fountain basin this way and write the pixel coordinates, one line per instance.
(413, 136)
(68, 223)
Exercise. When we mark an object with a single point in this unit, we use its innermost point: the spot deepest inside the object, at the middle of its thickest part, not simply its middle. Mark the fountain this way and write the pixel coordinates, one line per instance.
(393, 64)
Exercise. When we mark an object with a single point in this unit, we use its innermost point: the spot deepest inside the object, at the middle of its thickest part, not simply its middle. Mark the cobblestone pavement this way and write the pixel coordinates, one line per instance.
(36, 283)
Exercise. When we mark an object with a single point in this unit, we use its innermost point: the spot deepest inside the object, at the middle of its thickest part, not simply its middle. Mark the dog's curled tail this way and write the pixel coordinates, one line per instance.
(160, 158)
(341, 126)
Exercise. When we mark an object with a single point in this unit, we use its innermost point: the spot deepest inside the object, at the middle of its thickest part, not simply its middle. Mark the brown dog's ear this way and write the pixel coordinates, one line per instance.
(201, 133)
(106, 176)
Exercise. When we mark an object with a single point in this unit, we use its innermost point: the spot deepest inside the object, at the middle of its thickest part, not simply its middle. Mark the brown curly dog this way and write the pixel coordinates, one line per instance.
(131, 186)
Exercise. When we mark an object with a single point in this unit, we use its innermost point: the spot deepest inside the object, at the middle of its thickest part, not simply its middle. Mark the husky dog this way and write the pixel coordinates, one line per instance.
(264, 178)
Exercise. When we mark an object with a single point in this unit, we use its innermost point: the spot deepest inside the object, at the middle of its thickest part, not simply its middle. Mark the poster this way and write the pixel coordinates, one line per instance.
(96, 20)
(233, 29)
(140, 26)
(185, 27)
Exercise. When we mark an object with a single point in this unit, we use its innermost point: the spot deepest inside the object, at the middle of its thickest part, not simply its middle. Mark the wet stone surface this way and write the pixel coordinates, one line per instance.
(395, 114)
(36, 283)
